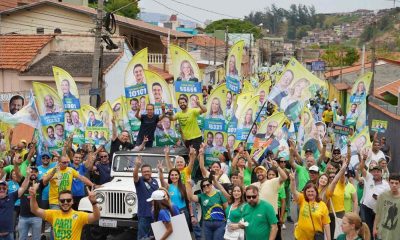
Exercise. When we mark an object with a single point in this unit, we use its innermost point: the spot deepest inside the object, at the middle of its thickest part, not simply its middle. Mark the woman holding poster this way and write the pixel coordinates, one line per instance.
(187, 73)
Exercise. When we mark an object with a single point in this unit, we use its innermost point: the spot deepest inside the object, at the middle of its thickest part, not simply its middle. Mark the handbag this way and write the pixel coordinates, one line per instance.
(318, 235)
(237, 234)
(338, 223)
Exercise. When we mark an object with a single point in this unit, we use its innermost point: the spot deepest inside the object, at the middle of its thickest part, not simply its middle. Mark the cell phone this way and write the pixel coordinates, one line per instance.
(211, 176)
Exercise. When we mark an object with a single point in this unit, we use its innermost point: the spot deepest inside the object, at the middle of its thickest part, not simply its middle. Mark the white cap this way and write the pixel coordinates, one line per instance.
(314, 168)
(157, 195)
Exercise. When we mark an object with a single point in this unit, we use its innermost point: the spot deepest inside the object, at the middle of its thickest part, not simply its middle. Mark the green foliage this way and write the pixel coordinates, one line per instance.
(131, 10)
(234, 26)
(337, 55)
(351, 57)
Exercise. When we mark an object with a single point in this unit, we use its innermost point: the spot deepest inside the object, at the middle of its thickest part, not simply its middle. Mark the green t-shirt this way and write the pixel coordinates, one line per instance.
(235, 215)
(260, 219)
(343, 237)
(360, 193)
(22, 168)
(212, 206)
(188, 123)
(281, 195)
(247, 176)
(348, 193)
(302, 176)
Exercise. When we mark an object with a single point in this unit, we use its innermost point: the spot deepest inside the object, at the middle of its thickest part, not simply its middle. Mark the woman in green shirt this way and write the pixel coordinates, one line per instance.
(353, 228)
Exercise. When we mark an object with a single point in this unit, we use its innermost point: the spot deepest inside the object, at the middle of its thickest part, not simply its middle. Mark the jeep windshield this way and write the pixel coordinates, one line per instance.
(126, 163)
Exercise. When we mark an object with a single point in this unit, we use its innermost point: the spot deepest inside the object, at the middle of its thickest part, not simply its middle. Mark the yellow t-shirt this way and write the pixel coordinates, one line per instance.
(320, 216)
(337, 197)
(185, 175)
(188, 123)
(61, 181)
(66, 225)
(269, 191)
(327, 116)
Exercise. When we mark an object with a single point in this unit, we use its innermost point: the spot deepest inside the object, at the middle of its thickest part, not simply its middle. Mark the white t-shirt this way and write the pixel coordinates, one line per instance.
(269, 191)
(371, 188)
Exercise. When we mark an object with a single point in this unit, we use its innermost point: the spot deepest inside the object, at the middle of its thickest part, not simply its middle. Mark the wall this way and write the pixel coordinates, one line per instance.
(392, 134)
(48, 17)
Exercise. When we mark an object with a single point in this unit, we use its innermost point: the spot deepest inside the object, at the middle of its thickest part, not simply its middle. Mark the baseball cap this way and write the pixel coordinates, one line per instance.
(260, 167)
(377, 167)
(45, 154)
(309, 150)
(3, 183)
(156, 195)
(336, 149)
(314, 168)
(23, 141)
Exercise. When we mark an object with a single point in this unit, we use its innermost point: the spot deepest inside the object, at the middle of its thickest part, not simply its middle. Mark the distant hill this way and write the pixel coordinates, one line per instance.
(159, 17)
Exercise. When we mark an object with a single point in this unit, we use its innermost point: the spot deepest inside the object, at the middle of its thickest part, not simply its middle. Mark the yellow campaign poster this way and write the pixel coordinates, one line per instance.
(96, 132)
(159, 92)
(120, 114)
(262, 92)
(186, 74)
(242, 99)
(295, 86)
(360, 143)
(4, 133)
(379, 126)
(265, 136)
(356, 109)
(66, 88)
(247, 87)
(106, 115)
(51, 112)
(305, 127)
(74, 123)
(234, 67)
(246, 118)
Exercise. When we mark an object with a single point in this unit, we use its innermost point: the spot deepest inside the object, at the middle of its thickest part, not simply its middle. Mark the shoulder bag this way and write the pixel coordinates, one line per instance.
(338, 223)
(237, 234)
(317, 234)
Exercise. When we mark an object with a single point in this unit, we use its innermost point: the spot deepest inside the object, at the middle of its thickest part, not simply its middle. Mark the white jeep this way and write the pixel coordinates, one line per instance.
(117, 199)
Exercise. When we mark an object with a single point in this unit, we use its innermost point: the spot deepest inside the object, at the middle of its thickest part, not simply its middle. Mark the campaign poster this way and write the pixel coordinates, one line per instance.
(295, 86)
(360, 143)
(262, 92)
(106, 115)
(74, 124)
(66, 88)
(159, 92)
(96, 132)
(51, 113)
(186, 74)
(234, 67)
(215, 145)
(246, 118)
(4, 133)
(247, 87)
(120, 113)
(379, 126)
(165, 134)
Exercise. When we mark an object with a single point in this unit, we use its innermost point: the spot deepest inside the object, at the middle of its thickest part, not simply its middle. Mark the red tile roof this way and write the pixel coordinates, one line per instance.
(7, 4)
(166, 75)
(342, 86)
(17, 51)
(392, 88)
(206, 41)
(132, 23)
(345, 70)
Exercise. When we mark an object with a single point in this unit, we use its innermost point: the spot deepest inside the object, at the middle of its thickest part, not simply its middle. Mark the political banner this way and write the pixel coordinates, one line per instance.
(67, 89)
(5, 129)
(187, 75)
(165, 134)
(246, 118)
(159, 92)
(51, 113)
(379, 126)
(215, 145)
(74, 124)
(27, 115)
(119, 112)
(247, 87)
(234, 67)
(262, 92)
(295, 86)
(305, 127)
(360, 143)
(340, 129)
(106, 115)
(96, 132)
(357, 107)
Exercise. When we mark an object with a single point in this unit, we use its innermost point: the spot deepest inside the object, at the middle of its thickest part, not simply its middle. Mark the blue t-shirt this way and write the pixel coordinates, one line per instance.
(164, 215)
(42, 171)
(7, 212)
(78, 187)
(176, 196)
(13, 187)
(105, 173)
(144, 190)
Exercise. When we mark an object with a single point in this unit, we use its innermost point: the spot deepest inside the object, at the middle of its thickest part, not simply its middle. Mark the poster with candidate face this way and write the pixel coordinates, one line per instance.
(66, 88)
(234, 67)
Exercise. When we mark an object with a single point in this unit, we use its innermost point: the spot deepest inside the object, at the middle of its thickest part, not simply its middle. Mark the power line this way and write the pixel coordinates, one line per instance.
(28, 25)
(178, 12)
(206, 10)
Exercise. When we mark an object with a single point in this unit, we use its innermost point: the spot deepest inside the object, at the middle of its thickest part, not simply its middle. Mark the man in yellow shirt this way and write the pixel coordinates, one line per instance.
(327, 115)
(60, 179)
(187, 118)
(66, 222)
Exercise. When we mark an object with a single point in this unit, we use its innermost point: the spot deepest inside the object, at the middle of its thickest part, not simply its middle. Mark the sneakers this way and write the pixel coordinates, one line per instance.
(43, 237)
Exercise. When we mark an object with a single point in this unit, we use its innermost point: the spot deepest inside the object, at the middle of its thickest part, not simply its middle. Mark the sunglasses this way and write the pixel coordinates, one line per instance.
(65, 163)
(105, 156)
(336, 153)
(68, 200)
(45, 157)
(3, 187)
(251, 196)
(206, 185)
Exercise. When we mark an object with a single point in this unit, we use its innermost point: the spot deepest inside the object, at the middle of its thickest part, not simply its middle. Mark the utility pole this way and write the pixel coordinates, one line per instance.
(250, 55)
(373, 48)
(226, 41)
(215, 50)
(341, 65)
(363, 60)
(95, 96)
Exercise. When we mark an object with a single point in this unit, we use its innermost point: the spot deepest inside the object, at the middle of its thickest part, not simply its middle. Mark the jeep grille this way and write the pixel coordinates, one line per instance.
(116, 203)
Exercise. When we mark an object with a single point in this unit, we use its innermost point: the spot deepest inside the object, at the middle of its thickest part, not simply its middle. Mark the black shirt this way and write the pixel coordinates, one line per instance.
(117, 145)
(104, 171)
(25, 209)
(147, 128)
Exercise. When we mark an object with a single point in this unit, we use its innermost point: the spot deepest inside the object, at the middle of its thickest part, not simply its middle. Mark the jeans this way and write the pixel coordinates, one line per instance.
(367, 216)
(26, 223)
(214, 230)
(9, 236)
(196, 227)
(144, 227)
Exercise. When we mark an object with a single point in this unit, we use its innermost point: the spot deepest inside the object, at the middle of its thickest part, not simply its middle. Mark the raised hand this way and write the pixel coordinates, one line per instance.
(91, 195)
(166, 150)
(138, 161)
(274, 164)
(160, 165)
(33, 189)
(291, 176)
(192, 151)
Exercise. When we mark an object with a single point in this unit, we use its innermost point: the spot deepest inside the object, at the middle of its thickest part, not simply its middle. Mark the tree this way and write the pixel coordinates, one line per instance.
(351, 57)
(128, 8)
(234, 26)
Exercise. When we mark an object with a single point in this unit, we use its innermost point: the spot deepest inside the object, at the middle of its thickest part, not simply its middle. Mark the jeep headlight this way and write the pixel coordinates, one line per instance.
(130, 199)
(100, 197)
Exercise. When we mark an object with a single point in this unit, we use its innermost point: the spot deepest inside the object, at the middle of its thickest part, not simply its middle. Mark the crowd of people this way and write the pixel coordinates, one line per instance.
(238, 197)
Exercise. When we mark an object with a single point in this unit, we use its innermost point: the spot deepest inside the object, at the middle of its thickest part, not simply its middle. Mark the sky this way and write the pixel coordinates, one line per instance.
(239, 9)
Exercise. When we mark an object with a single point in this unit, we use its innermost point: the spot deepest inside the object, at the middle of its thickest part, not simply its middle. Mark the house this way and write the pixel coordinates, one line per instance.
(46, 16)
